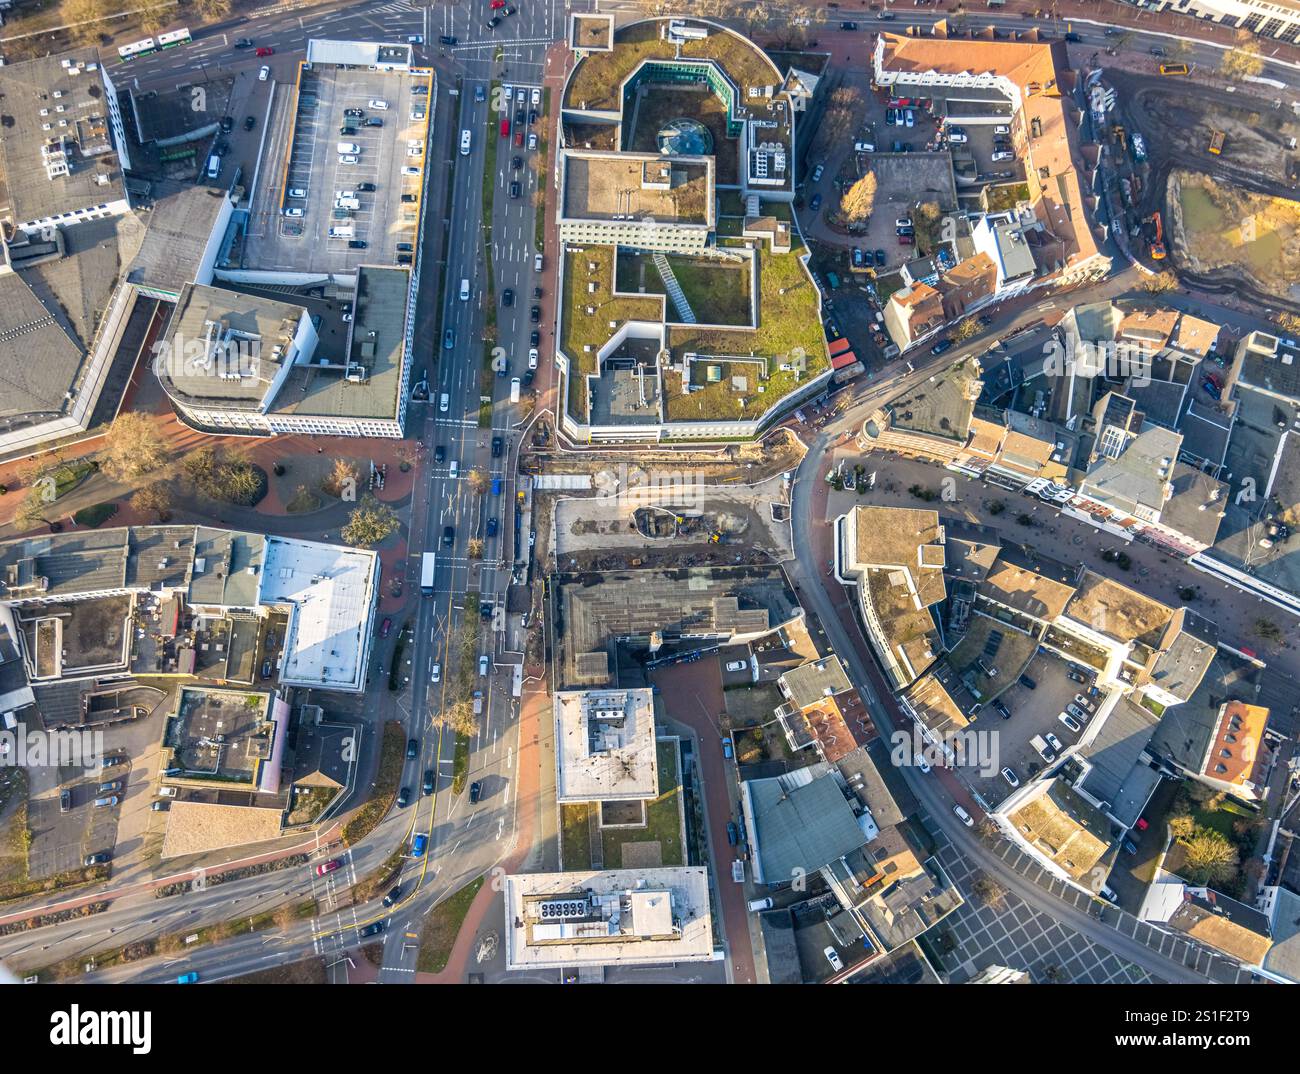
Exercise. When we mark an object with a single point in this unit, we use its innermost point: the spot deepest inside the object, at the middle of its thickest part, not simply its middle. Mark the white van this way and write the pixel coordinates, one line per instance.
(214, 166)
(378, 105)
(344, 231)
(464, 290)
(537, 262)
(465, 138)
(755, 905)
(1044, 750)
(444, 403)
(348, 147)
(514, 390)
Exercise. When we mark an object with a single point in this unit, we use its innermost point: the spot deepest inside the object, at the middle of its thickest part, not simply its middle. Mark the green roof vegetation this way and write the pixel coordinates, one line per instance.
(597, 78)
(717, 291)
(581, 330)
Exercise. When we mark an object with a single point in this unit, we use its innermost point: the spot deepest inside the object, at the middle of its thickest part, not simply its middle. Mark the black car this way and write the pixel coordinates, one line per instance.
(534, 338)
(449, 338)
(448, 536)
(374, 121)
(475, 791)
(404, 797)
(373, 929)
(65, 800)
(356, 244)
(102, 858)
(221, 148)
(848, 26)
(440, 454)
(227, 124)
(358, 112)
(537, 292)
(493, 22)
(532, 116)
(528, 376)
(1073, 38)
(1156, 51)
(1028, 683)
(516, 163)
(250, 122)
(428, 781)
(492, 527)
(266, 669)
(508, 297)
(448, 40)
(519, 117)
(496, 447)
(244, 42)
(515, 188)
(394, 893)
(412, 748)
(509, 11)
(1003, 711)
(408, 199)
(983, 320)
(535, 314)
(941, 346)
(880, 257)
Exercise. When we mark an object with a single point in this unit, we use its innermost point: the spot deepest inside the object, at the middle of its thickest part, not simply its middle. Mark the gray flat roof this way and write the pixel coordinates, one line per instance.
(71, 94)
(39, 361)
(181, 220)
(222, 563)
(1115, 750)
(376, 345)
(227, 347)
(89, 561)
(799, 827)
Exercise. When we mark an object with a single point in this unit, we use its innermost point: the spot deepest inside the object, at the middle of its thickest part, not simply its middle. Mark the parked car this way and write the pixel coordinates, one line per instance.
(833, 959)
(816, 202)
(963, 816)
(65, 800)
(111, 787)
(386, 627)
(327, 867)
(1079, 714)
(1028, 683)
(435, 673)
(1054, 742)
(1075, 676)
(108, 802)
(737, 665)
(727, 751)
(733, 833)
(1130, 847)
(1002, 709)
(101, 858)
(475, 791)
(817, 173)
(941, 346)
(1009, 774)
(1070, 722)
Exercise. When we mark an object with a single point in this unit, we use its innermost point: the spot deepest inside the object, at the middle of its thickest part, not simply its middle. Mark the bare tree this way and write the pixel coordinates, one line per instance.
(458, 718)
(1243, 60)
(132, 447)
(859, 200)
(154, 499)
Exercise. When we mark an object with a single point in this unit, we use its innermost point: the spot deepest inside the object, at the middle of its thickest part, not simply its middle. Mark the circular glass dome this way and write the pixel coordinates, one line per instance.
(685, 137)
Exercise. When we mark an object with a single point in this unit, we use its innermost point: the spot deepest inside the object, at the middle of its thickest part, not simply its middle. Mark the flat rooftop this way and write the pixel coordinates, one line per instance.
(606, 746)
(637, 186)
(367, 384)
(39, 360)
(226, 348)
(220, 735)
(624, 917)
(64, 93)
(330, 591)
(307, 119)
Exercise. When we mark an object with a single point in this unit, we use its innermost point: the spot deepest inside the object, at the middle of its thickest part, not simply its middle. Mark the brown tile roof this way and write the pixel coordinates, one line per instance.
(1056, 187)
(1194, 335)
(1154, 325)
(1235, 755)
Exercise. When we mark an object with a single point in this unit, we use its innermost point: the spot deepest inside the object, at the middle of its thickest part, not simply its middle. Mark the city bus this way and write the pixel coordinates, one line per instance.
(174, 38)
(137, 49)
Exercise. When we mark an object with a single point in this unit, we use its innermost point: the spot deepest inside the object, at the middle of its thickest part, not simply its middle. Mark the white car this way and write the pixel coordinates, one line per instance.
(532, 141)
(483, 666)
(1070, 722)
(1010, 776)
(963, 816)
(519, 95)
(410, 170)
(1054, 742)
(347, 318)
(293, 212)
(864, 147)
(817, 173)
(833, 959)
(297, 192)
(537, 97)
(1002, 154)
(349, 158)
(903, 221)
(436, 673)
(264, 73)
(922, 765)
(378, 105)
(737, 665)
(532, 357)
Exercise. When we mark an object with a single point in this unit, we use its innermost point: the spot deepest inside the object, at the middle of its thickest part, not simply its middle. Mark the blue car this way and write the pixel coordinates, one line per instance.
(726, 749)
(188, 978)
(816, 202)
(419, 845)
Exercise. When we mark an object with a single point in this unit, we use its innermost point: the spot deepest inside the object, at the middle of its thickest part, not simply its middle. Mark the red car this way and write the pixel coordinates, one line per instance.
(265, 52)
(519, 136)
(326, 867)
(385, 628)
(1142, 824)
(498, 4)
(505, 128)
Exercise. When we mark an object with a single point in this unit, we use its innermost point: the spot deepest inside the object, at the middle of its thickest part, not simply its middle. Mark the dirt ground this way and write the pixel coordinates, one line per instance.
(1219, 226)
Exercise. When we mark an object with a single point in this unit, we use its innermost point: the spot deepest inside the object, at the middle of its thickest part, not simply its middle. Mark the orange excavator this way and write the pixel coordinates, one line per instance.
(1156, 247)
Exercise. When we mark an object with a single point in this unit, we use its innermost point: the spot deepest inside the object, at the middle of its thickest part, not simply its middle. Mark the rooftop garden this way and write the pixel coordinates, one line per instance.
(789, 324)
(581, 330)
(717, 291)
(596, 80)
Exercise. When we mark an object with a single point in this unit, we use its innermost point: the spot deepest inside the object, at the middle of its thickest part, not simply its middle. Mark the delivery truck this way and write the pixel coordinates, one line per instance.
(426, 574)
